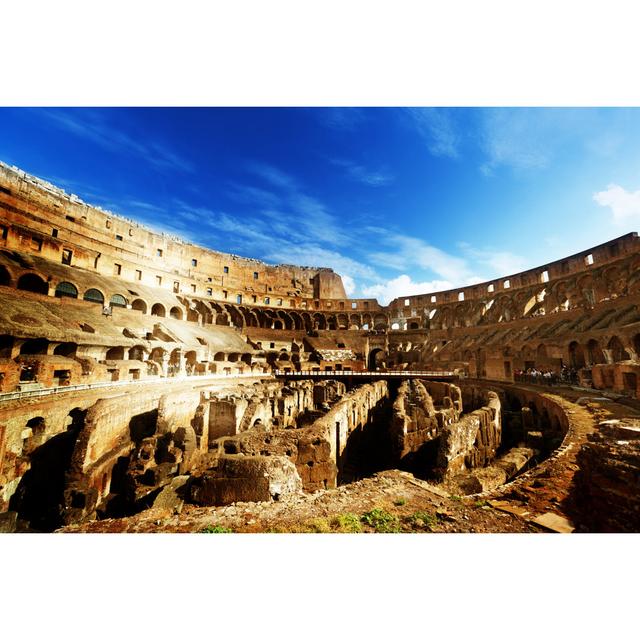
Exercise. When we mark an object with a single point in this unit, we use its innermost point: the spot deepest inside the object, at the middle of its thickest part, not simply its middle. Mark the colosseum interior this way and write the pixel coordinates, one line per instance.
(148, 384)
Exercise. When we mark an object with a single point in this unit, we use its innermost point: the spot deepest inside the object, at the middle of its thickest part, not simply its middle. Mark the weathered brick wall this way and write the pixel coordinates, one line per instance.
(608, 482)
(473, 440)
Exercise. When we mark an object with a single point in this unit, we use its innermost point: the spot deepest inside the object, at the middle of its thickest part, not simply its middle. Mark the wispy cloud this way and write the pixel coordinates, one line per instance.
(448, 270)
(95, 127)
(438, 129)
(405, 252)
(313, 220)
(529, 139)
(493, 261)
(624, 205)
(359, 173)
(341, 118)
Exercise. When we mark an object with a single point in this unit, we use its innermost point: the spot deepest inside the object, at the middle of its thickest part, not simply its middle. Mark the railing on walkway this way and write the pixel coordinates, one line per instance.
(368, 374)
(46, 391)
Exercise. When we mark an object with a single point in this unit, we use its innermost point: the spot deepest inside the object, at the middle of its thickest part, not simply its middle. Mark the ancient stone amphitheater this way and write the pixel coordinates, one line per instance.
(149, 384)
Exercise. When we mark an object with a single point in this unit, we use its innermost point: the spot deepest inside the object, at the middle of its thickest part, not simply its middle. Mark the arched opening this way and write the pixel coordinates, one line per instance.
(32, 282)
(66, 349)
(118, 301)
(115, 353)
(246, 358)
(191, 362)
(576, 355)
(375, 359)
(5, 276)
(395, 326)
(176, 313)
(39, 498)
(157, 355)
(277, 324)
(139, 305)
(6, 346)
(136, 353)
(234, 357)
(158, 310)
(414, 325)
(34, 347)
(174, 362)
(219, 357)
(594, 352)
(93, 295)
(320, 321)
(66, 290)
(618, 352)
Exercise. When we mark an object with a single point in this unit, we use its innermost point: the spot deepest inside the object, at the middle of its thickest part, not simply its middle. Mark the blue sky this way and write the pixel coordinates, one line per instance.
(398, 201)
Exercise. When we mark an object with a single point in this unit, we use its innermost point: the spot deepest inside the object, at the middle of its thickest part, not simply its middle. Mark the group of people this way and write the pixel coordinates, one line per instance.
(538, 375)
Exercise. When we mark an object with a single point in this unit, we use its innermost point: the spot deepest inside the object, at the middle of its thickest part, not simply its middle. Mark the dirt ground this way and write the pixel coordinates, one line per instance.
(540, 500)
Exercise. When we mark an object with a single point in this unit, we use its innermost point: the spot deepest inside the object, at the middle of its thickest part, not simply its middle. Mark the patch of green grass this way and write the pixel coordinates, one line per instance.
(382, 521)
(346, 523)
(399, 502)
(215, 529)
(480, 503)
(318, 525)
(455, 498)
(423, 519)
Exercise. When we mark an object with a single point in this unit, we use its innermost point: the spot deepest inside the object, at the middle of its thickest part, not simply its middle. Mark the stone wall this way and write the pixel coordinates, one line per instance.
(471, 441)
(315, 450)
(608, 483)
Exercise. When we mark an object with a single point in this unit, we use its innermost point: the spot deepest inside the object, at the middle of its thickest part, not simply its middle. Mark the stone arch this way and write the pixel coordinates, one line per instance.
(139, 305)
(617, 350)
(157, 354)
(320, 321)
(66, 349)
(94, 295)
(158, 310)
(36, 346)
(176, 313)
(374, 359)
(115, 353)
(137, 352)
(380, 321)
(5, 277)
(595, 353)
(32, 282)
(576, 355)
(6, 345)
(66, 290)
(118, 300)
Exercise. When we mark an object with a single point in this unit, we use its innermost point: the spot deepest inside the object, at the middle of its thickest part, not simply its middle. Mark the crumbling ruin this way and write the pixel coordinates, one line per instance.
(141, 372)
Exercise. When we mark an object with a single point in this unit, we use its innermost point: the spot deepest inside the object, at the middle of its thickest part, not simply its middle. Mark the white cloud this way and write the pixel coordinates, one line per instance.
(407, 252)
(314, 221)
(438, 130)
(349, 285)
(361, 174)
(315, 256)
(625, 205)
(499, 263)
(403, 285)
